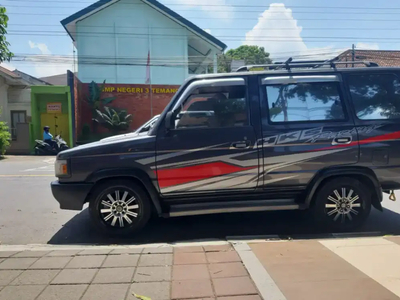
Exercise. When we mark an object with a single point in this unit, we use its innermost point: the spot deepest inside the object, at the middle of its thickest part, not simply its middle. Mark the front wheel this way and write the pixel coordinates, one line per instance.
(119, 207)
(342, 204)
(63, 147)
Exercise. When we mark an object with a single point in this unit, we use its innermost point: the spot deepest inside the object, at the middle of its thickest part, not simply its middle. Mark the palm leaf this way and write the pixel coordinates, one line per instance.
(108, 100)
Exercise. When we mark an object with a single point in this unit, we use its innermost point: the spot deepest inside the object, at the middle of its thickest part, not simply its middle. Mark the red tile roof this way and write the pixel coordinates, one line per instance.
(381, 57)
(9, 73)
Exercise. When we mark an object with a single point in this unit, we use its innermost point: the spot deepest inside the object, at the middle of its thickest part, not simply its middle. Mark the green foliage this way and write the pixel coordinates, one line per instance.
(252, 55)
(113, 120)
(5, 53)
(5, 137)
(95, 93)
(85, 132)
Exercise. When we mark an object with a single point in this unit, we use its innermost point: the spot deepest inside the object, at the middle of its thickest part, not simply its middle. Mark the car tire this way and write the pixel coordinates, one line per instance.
(119, 207)
(341, 204)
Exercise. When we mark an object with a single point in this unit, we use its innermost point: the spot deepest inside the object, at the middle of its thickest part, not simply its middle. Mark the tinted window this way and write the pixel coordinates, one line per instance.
(375, 97)
(304, 102)
(214, 108)
(16, 117)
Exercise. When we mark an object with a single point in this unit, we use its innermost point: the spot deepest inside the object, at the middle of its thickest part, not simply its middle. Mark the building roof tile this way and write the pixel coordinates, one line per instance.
(383, 58)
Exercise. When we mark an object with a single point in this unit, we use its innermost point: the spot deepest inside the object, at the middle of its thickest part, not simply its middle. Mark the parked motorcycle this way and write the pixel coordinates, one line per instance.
(42, 148)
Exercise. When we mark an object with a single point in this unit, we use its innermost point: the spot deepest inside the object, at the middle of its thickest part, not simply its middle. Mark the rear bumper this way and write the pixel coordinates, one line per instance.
(71, 196)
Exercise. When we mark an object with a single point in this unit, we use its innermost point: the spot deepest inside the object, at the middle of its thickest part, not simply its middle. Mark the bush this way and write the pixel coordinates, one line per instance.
(85, 132)
(5, 138)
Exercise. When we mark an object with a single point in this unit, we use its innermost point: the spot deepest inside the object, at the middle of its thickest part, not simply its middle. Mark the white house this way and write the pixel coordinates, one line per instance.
(15, 106)
(117, 41)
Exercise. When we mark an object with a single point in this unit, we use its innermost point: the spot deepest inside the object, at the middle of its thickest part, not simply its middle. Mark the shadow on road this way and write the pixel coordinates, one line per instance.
(79, 230)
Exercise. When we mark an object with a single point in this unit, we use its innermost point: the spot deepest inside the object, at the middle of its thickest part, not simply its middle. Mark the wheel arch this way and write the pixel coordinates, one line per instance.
(363, 174)
(137, 175)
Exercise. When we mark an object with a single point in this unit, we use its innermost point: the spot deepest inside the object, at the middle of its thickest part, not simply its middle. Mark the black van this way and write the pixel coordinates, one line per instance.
(298, 137)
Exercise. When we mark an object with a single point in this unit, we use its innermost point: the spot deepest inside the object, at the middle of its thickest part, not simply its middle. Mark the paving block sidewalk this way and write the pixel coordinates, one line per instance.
(191, 272)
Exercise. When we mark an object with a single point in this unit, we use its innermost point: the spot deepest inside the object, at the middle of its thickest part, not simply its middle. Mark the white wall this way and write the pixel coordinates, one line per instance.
(4, 116)
(19, 99)
(121, 30)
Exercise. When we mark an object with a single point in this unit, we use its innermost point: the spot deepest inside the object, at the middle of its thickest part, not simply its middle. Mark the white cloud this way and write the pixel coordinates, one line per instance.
(277, 31)
(216, 8)
(208, 31)
(42, 47)
(47, 64)
(367, 46)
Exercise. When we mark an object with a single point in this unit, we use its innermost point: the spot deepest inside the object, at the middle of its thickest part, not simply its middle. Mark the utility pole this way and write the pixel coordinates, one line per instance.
(353, 53)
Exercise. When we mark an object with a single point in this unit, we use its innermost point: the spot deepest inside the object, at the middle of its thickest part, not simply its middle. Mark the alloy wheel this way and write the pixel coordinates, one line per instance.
(117, 211)
(343, 206)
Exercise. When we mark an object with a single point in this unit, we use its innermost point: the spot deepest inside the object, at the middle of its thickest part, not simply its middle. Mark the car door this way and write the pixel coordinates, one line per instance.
(375, 98)
(306, 127)
(210, 145)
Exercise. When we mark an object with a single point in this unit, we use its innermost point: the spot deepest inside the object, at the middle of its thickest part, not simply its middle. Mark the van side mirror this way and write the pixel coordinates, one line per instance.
(169, 120)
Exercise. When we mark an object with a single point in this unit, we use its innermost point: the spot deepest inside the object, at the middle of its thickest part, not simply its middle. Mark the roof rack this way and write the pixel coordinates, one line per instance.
(290, 64)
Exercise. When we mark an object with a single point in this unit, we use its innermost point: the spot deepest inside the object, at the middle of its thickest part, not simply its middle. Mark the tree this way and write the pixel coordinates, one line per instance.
(252, 55)
(5, 136)
(5, 54)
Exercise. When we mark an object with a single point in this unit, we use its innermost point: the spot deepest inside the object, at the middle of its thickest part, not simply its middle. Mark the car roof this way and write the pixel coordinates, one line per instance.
(295, 71)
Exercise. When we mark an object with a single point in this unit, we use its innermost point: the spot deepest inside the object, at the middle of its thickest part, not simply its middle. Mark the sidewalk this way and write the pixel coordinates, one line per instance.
(161, 273)
(338, 268)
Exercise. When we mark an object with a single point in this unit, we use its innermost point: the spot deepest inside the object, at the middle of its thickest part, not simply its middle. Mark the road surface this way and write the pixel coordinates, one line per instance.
(30, 215)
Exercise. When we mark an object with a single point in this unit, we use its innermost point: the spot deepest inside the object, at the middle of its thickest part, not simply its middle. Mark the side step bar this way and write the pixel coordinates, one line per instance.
(232, 207)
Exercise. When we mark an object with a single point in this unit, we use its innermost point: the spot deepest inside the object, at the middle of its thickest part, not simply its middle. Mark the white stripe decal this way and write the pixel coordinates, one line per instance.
(227, 158)
(176, 153)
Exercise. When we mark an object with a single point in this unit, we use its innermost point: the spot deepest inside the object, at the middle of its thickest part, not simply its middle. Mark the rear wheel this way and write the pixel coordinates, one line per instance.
(119, 207)
(342, 204)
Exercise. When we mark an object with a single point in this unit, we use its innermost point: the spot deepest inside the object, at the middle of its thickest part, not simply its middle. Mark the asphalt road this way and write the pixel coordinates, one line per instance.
(30, 215)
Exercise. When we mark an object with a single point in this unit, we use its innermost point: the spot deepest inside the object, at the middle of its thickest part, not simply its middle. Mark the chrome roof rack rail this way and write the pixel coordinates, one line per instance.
(290, 64)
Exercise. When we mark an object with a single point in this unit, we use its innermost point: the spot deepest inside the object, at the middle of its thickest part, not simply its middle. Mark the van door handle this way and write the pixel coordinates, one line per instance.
(240, 145)
(342, 141)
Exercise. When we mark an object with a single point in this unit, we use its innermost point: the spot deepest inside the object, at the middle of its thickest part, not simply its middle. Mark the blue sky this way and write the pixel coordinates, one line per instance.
(312, 30)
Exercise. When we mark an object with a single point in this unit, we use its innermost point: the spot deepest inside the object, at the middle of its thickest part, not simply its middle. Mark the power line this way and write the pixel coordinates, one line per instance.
(65, 59)
(163, 35)
(183, 35)
(295, 53)
(133, 60)
(211, 28)
(142, 61)
(224, 6)
(261, 38)
(243, 11)
(208, 18)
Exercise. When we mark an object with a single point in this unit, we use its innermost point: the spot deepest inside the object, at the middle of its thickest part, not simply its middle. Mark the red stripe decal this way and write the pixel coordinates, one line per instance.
(170, 177)
(381, 138)
(374, 139)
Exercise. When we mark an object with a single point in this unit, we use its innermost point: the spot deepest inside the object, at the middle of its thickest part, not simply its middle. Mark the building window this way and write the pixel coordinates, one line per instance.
(375, 96)
(17, 116)
(304, 102)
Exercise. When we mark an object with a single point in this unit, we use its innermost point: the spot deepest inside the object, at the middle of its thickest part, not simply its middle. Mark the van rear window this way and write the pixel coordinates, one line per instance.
(304, 102)
(375, 96)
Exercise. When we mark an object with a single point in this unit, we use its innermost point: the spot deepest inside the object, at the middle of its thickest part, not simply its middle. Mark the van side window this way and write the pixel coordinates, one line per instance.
(375, 96)
(214, 107)
(302, 102)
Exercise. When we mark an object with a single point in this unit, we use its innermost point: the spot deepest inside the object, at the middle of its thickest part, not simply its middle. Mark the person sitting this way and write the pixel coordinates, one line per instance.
(48, 137)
